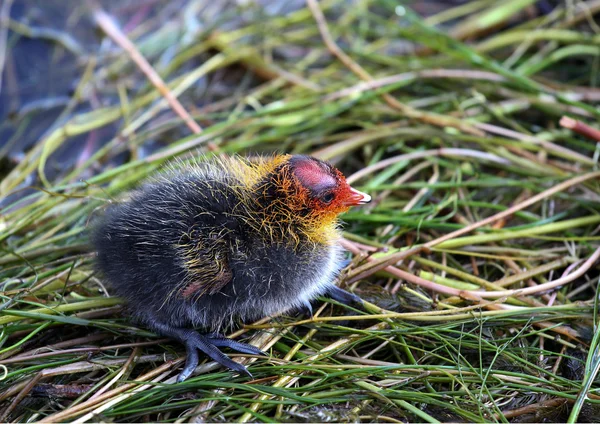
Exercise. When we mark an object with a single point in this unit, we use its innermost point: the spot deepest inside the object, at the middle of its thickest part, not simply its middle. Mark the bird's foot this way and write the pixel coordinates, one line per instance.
(195, 342)
(208, 344)
(344, 297)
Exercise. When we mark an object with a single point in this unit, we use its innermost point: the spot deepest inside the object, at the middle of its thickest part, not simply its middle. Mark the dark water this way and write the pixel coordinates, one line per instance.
(51, 42)
(40, 74)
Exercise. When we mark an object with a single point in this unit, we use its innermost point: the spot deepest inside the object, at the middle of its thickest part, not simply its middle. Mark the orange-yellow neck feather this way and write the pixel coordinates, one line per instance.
(292, 214)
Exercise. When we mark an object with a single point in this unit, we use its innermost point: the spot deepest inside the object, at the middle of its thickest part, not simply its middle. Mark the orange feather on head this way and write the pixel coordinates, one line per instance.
(322, 192)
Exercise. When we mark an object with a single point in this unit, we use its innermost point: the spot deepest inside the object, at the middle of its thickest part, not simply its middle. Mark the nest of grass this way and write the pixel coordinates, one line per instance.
(472, 127)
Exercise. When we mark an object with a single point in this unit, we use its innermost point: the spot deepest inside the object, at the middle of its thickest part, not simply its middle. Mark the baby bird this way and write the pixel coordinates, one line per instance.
(222, 240)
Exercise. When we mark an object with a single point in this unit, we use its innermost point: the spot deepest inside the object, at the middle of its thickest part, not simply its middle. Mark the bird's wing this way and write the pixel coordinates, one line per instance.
(207, 264)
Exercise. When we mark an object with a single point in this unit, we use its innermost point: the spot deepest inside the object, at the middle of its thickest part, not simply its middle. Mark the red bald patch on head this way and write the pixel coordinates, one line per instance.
(319, 187)
(313, 175)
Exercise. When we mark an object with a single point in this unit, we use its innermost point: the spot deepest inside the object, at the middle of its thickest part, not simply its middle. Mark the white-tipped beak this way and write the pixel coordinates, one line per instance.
(357, 198)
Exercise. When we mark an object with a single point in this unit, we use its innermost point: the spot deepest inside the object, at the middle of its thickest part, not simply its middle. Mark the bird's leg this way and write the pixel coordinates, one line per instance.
(343, 296)
(194, 342)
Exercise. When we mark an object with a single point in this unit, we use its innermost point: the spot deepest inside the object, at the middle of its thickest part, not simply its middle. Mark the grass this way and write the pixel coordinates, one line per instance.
(478, 258)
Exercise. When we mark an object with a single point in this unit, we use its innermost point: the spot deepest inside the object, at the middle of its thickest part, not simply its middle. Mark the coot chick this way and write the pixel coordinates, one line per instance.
(223, 240)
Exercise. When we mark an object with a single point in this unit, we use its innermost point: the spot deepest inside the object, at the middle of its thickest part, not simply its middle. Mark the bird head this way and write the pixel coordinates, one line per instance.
(321, 187)
(303, 195)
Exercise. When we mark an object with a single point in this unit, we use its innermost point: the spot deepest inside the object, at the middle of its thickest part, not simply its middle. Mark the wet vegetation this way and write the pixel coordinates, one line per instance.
(472, 125)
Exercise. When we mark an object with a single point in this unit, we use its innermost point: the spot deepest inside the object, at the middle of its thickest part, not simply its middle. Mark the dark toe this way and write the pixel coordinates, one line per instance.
(343, 296)
(241, 369)
(221, 341)
(191, 363)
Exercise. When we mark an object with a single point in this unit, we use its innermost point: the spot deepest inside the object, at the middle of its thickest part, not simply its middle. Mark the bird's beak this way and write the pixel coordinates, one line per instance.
(357, 198)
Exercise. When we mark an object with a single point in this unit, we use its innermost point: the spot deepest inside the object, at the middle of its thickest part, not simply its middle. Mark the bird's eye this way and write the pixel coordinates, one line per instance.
(327, 197)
